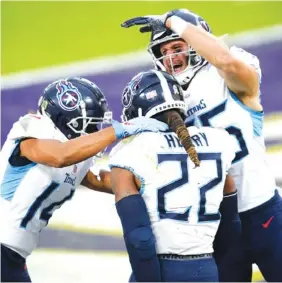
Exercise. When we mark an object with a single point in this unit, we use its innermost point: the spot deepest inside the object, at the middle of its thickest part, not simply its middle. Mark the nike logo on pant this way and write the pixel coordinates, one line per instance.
(266, 224)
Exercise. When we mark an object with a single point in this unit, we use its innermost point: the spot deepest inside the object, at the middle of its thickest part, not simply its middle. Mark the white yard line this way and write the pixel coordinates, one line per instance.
(130, 60)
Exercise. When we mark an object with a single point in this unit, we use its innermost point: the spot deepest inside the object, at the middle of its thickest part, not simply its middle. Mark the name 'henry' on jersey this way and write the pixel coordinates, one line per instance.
(31, 192)
(182, 201)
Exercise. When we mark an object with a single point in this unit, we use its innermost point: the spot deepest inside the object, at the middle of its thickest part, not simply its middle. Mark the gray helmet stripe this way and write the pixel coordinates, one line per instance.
(164, 85)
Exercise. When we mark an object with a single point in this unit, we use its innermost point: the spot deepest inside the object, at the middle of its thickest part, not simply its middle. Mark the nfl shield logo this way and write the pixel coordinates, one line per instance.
(74, 169)
(205, 26)
(151, 94)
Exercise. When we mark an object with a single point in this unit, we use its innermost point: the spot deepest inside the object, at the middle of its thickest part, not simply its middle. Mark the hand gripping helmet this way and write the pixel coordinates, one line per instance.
(195, 61)
(75, 105)
(150, 93)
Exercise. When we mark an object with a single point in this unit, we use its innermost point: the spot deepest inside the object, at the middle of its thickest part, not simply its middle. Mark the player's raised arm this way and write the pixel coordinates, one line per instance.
(138, 235)
(240, 77)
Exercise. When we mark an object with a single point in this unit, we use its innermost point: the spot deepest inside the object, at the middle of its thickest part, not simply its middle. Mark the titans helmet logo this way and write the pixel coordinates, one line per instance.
(128, 93)
(205, 26)
(127, 97)
(68, 96)
(135, 81)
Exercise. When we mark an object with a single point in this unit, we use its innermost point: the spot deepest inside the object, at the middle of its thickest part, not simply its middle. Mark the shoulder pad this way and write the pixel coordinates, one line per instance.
(35, 126)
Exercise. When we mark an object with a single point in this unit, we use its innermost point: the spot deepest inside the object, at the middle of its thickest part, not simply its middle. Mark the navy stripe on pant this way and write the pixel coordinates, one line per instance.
(13, 266)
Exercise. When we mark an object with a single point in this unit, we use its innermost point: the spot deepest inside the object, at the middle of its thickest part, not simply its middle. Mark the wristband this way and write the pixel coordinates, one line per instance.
(178, 25)
(118, 128)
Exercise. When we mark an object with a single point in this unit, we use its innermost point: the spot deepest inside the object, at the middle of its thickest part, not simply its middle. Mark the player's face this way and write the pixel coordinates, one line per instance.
(176, 55)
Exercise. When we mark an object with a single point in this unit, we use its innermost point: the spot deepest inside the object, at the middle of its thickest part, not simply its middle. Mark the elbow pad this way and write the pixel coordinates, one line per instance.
(142, 241)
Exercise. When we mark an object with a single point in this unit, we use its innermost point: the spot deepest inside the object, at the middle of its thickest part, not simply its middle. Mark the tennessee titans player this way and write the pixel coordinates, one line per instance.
(222, 89)
(46, 156)
(168, 202)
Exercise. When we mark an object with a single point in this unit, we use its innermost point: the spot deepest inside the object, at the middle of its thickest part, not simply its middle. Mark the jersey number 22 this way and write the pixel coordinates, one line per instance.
(182, 158)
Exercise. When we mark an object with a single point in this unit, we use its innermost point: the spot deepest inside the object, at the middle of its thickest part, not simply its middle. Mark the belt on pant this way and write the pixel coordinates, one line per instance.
(184, 257)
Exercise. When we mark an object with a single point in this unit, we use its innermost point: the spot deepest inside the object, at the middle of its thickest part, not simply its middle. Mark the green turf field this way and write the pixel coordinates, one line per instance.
(37, 34)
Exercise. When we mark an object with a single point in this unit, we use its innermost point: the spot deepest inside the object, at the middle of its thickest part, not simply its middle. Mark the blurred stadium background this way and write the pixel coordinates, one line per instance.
(43, 41)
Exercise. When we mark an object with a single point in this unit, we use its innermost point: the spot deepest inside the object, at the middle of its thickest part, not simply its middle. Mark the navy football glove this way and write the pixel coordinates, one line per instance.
(157, 23)
(149, 23)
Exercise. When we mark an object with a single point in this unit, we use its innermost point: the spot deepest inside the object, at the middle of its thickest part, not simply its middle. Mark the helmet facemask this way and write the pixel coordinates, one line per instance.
(194, 60)
(85, 124)
(81, 125)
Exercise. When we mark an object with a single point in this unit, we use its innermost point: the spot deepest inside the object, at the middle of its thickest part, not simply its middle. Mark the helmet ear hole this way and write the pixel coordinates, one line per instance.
(75, 124)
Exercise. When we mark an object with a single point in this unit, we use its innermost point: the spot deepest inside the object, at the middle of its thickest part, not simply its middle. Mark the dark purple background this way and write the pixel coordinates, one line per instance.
(16, 102)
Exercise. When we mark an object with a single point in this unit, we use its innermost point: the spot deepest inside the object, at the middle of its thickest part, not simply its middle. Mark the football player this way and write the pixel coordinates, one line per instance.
(46, 156)
(168, 202)
(222, 89)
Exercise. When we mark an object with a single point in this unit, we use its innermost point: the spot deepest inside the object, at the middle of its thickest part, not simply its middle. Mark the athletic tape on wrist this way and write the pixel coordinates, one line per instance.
(178, 25)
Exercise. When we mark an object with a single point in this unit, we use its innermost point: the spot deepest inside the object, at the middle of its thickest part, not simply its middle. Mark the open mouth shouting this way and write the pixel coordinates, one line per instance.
(177, 67)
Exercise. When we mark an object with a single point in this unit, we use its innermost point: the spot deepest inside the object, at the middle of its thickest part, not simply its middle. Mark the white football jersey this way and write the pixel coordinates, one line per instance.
(32, 192)
(211, 103)
(182, 201)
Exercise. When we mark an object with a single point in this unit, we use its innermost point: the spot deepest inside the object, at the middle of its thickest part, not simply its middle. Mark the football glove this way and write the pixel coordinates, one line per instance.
(138, 125)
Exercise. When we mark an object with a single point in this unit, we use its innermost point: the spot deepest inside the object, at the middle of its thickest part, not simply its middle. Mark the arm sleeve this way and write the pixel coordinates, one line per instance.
(229, 149)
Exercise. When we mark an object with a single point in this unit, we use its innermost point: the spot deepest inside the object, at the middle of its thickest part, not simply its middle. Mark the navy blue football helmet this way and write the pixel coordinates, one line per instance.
(75, 105)
(150, 93)
(195, 61)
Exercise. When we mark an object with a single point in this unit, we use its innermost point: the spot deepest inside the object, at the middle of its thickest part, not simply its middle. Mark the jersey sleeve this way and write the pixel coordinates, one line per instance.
(35, 126)
(131, 154)
(229, 147)
(98, 165)
(220, 141)
(248, 58)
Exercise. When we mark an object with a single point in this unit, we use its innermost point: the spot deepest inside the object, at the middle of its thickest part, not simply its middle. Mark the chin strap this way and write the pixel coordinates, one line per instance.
(185, 80)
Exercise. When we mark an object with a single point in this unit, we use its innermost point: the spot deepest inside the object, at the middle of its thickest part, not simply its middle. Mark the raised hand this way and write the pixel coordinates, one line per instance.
(149, 22)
